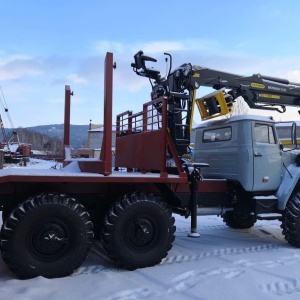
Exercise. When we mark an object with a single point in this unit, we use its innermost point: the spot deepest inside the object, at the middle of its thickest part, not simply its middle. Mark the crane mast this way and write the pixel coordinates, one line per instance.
(3, 130)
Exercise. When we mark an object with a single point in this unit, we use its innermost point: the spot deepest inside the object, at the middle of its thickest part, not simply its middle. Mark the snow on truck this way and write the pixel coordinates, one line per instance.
(240, 172)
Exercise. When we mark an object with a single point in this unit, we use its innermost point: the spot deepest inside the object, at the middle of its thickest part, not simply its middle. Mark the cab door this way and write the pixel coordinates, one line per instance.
(267, 158)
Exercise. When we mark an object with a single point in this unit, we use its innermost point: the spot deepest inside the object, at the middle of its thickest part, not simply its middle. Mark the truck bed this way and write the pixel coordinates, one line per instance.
(72, 173)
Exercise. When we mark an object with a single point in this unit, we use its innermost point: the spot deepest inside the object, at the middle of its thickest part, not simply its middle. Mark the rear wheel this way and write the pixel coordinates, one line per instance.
(238, 221)
(138, 231)
(48, 235)
(291, 221)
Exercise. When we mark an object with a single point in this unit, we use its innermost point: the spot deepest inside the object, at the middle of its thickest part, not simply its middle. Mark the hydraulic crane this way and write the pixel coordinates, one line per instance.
(179, 87)
(3, 130)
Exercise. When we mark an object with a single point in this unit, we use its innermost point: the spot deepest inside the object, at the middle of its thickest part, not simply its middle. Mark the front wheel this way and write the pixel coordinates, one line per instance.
(291, 221)
(138, 231)
(48, 235)
(238, 221)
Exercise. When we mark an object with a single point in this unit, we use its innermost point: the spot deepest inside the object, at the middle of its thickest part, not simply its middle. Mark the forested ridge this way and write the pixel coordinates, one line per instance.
(49, 138)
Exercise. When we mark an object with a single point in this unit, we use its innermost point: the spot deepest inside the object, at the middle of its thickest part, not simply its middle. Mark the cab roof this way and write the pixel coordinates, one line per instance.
(237, 118)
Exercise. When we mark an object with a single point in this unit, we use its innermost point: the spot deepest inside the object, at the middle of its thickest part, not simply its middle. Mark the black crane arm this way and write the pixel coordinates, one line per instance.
(259, 91)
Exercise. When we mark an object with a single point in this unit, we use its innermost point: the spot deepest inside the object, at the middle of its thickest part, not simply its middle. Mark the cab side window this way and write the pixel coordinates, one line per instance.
(217, 135)
(264, 133)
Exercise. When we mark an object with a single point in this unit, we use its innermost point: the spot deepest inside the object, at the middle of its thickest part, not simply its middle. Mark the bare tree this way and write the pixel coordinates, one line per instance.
(40, 141)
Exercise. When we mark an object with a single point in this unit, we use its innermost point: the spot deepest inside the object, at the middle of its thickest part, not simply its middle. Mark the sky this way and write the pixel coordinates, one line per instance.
(45, 45)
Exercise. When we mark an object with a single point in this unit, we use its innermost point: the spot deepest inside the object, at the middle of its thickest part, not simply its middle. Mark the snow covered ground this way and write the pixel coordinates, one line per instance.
(36, 163)
(223, 263)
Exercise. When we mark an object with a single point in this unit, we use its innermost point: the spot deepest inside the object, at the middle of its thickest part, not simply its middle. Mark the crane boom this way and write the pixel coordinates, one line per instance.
(259, 91)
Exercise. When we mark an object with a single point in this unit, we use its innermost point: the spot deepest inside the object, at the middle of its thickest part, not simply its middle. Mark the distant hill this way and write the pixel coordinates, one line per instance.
(78, 133)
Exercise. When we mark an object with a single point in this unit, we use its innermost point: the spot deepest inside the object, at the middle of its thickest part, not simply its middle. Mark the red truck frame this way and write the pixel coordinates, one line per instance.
(51, 216)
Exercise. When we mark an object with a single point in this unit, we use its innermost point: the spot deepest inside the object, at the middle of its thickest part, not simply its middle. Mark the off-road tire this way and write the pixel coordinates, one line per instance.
(291, 221)
(5, 214)
(138, 231)
(238, 221)
(48, 235)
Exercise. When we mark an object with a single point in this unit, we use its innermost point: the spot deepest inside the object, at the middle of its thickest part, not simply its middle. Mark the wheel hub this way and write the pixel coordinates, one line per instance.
(49, 238)
(141, 232)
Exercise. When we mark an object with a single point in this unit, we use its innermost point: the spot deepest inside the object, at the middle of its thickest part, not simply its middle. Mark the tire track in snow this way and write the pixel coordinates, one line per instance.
(282, 288)
(280, 262)
(219, 252)
(179, 284)
(104, 265)
(191, 278)
(132, 294)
